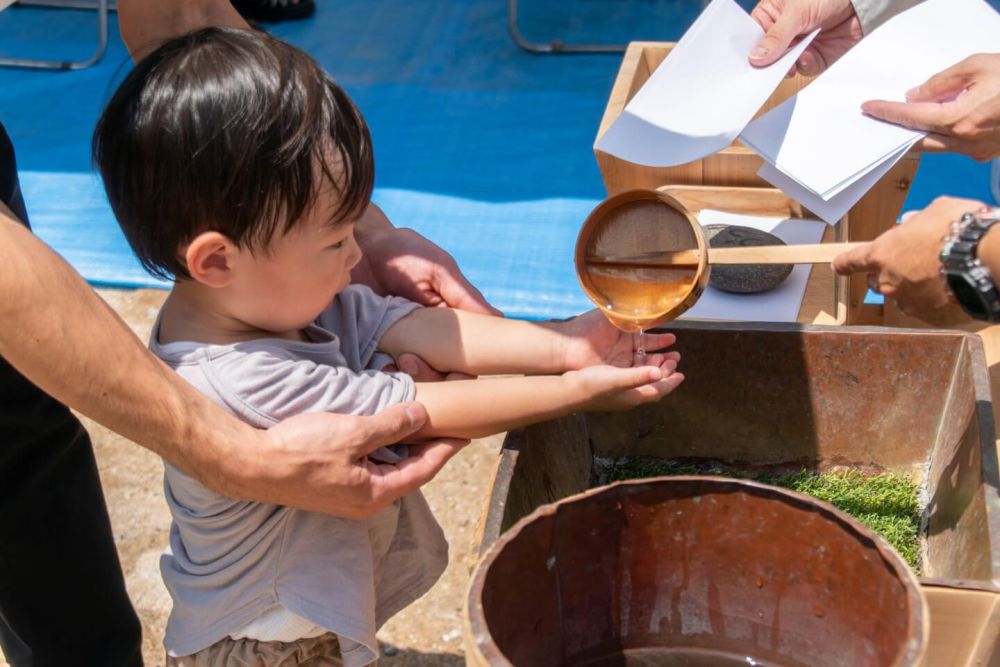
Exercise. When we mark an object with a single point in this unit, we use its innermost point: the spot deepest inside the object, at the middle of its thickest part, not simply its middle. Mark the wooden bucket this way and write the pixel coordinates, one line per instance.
(693, 571)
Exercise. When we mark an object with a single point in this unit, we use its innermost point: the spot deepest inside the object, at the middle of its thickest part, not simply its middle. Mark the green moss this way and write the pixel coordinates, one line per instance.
(886, 503)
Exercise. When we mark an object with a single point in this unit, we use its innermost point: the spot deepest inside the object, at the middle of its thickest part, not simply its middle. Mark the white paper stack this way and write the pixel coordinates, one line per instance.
(821, 149)
(701, 97)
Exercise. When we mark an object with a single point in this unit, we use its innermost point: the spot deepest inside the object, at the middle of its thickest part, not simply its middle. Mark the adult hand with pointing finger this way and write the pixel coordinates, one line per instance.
(904, 263)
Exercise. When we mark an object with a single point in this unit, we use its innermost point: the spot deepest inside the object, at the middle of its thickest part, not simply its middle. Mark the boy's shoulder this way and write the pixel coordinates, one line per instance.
(250, 379)
(358, 297)
(265, 380)
(360, 316)
(263, 352)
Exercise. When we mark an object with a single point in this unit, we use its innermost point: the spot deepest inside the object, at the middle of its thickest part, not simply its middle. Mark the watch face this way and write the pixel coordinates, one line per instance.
(969, 297)
(970, 281)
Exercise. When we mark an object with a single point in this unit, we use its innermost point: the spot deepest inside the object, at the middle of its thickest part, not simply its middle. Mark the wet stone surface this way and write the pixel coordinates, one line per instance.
(744, 278)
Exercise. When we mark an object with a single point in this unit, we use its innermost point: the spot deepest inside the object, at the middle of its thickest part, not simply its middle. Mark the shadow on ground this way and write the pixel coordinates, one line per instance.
(420, 659)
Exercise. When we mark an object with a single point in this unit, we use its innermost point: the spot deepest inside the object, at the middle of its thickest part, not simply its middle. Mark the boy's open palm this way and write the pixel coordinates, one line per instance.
(611, 389)
(592, 340)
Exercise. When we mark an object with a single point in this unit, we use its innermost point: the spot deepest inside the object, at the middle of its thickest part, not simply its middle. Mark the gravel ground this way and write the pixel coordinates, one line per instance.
(428, 633)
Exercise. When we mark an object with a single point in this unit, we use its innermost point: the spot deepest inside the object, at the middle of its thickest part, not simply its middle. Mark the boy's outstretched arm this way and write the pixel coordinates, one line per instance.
(454, 340)
(477, 408)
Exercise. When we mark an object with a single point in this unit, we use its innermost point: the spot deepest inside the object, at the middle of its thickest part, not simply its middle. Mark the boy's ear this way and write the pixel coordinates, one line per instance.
(209, 259)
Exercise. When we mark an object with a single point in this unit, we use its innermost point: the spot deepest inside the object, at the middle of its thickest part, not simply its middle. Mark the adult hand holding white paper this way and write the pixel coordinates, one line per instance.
(821, 142)
(703, 94)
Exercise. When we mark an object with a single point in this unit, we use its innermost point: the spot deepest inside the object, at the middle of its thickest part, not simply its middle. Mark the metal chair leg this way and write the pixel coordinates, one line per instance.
(556, 45)
(102, 7)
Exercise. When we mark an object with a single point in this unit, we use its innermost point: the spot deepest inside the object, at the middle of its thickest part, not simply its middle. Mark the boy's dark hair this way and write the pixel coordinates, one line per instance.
(223, 130)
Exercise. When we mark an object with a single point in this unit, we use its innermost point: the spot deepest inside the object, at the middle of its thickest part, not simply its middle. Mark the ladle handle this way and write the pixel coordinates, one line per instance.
(818, 253)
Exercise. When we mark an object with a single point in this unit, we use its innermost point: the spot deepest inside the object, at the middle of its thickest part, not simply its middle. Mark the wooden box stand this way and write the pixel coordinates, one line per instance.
(737, 165)
(908, 401)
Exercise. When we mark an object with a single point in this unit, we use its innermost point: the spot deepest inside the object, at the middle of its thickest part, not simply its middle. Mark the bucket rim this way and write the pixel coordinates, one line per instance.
(485, 650)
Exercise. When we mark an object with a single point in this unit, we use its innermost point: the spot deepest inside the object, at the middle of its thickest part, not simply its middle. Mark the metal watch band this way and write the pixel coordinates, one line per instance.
(970, 281)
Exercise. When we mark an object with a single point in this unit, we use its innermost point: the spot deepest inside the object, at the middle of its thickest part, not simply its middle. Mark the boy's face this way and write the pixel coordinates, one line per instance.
(288, 286)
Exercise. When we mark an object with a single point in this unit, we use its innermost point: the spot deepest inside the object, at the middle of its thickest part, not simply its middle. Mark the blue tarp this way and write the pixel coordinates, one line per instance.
(481, 146)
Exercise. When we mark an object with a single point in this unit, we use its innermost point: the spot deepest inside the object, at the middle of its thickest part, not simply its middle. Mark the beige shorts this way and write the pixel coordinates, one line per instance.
(322, 651)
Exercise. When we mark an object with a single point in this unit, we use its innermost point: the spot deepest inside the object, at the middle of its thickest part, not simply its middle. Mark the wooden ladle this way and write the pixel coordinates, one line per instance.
(641, 256)
(813, 253)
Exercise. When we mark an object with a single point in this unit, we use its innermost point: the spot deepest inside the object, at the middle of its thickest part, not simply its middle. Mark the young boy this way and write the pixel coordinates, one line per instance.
(236, 166)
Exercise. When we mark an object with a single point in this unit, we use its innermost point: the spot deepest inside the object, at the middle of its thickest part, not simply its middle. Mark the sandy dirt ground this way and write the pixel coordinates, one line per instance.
(427, 634)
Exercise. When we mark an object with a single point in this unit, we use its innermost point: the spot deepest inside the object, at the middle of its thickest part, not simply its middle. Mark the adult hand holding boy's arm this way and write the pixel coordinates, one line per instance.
(403, 263)
(319, 461)
(58, 333)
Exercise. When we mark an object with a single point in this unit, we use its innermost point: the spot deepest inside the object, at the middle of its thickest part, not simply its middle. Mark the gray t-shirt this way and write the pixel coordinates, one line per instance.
(230, 561)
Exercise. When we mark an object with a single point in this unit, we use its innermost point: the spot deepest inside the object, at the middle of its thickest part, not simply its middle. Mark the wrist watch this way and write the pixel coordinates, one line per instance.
(970, 281)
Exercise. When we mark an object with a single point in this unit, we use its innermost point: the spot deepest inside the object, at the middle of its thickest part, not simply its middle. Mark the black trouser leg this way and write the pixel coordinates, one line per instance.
(62, 594)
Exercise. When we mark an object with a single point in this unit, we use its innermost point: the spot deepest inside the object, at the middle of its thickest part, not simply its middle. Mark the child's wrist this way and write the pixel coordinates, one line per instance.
(559, 348)
(576, 389)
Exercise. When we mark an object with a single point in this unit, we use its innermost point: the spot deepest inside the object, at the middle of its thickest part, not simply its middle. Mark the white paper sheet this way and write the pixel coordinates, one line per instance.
(778, 305)
(833, 209)
(701, 97)
(822, 140)
(709, 216)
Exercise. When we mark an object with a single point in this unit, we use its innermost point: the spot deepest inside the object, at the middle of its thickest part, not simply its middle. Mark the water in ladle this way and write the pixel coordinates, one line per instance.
(640, 298)
(636, 295)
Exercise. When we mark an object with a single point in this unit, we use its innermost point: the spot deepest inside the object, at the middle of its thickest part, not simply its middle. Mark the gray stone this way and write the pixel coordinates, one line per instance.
(744, 278)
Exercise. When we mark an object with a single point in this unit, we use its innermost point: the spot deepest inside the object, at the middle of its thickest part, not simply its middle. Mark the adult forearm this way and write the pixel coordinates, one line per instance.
(371, 231)
(478, 408)
(57, 332)
(401, 262)
(458, 341)
(145, 24)
(989, 251)
(370, 224)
